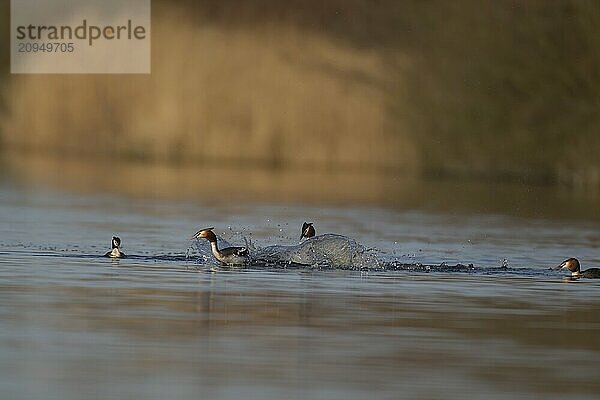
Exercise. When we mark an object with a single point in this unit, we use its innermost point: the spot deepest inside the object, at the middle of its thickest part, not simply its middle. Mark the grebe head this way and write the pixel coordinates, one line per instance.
(308, 230)
(205, 233)
(572, 264)
(116, 242)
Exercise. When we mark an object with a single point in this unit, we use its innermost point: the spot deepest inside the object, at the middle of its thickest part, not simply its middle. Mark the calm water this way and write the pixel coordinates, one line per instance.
(162, 325)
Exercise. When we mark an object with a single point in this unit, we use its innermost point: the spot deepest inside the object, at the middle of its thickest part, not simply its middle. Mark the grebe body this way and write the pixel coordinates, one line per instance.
(572, 264)
(229, 255)
(115, 251)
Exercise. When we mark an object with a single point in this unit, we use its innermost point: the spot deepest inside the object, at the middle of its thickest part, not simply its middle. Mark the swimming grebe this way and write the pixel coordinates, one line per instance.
(572, 264)
(308, 230)
(115, 252)
(229, 255)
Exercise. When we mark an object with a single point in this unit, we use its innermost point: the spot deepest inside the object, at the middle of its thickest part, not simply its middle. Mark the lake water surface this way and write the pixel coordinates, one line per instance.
(167, 323)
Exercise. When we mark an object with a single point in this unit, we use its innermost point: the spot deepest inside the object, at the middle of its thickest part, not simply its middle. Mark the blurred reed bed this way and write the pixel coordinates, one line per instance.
(274, 96)
(499, 90)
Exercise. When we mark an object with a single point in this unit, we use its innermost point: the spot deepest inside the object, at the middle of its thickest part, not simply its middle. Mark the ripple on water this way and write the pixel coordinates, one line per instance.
(299, 322)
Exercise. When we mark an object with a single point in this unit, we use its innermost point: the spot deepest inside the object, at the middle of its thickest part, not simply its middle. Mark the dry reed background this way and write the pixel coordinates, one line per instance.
(493, 89)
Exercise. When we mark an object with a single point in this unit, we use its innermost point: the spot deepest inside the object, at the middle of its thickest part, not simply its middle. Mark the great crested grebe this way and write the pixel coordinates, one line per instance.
(228, 255)
(308, 230)
(116, 251)
(572, 264)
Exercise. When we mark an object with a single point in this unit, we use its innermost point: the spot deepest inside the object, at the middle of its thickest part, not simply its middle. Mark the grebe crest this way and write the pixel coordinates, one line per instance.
(308, 230)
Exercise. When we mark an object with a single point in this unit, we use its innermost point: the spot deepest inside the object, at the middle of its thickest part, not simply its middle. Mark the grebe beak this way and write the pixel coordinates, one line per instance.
(561, 266)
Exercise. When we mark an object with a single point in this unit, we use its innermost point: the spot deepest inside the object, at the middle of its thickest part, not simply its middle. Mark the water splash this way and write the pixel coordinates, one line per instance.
(199, 252)
(323, 251)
